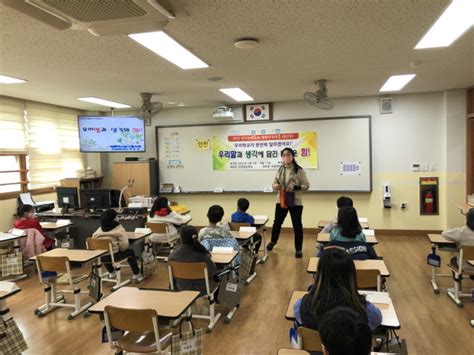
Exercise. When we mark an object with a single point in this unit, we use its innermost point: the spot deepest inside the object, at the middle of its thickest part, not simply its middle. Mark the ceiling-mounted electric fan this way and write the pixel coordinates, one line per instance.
(319, 98)
(148, 109)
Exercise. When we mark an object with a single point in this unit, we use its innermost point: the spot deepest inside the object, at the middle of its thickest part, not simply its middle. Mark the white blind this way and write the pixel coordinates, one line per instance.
(12, 131)
(53, 144)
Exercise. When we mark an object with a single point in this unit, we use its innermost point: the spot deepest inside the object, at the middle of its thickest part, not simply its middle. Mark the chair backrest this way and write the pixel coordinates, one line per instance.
(467, 252)
(187, 271)
(367, 278)
(236, 226)
(133, 320)
(53, 263)
(160, 228)
(310, 339)
(99, 244)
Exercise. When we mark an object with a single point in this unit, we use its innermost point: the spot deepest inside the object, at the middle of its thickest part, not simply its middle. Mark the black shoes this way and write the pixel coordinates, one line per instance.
(270, 246)
(298, 254)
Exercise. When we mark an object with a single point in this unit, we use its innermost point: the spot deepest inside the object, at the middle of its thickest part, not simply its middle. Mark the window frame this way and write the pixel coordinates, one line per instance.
(23, 170)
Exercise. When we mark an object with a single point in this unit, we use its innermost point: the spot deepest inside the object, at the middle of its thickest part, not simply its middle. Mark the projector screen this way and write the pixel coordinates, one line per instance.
(111, 134)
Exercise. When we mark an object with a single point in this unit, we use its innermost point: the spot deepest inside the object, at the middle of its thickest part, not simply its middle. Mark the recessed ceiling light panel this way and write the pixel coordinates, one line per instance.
(103, 102)
(396, 82)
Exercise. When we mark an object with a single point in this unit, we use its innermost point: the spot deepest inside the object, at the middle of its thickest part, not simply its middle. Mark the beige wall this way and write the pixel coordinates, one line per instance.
(424, 128)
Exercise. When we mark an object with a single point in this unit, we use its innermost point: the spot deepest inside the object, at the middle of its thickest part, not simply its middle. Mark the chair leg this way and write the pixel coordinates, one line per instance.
(454, 293)
(77, 304)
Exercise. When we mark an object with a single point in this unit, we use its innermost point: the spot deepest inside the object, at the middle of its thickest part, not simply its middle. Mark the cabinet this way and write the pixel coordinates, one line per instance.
(143, 175)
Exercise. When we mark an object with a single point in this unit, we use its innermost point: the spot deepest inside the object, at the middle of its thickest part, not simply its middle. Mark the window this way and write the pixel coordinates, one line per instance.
(39, 146)
(53, 144)
(13, 173)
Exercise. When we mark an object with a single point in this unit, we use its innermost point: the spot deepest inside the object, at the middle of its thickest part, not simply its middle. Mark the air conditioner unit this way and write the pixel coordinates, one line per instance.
(101, 18)
(225, 114)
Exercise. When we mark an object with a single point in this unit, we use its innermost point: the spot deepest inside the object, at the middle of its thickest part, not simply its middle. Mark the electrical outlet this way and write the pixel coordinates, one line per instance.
(404, 205)
(425, 167)
(433, 167)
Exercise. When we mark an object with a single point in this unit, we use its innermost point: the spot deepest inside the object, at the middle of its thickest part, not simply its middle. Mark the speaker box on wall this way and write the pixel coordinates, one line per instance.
(131, 158)
(386, 105)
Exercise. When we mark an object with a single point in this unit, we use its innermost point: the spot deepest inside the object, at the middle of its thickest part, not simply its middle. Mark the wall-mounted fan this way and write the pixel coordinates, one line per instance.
(319, 98)
(148, 109)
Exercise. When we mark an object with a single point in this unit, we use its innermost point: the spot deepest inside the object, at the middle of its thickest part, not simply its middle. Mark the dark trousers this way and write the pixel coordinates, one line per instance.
(127, 253)
(295, 214)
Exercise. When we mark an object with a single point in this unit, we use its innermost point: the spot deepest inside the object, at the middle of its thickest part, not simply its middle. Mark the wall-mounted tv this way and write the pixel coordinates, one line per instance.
(111, 134)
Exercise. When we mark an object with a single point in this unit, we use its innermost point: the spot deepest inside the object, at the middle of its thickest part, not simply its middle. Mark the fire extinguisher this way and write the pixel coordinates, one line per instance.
(428, 202)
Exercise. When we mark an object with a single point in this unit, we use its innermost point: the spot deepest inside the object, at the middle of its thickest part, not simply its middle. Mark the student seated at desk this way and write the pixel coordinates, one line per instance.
(161, 213)
(215, 235)
(335, 285)
(111, 229)
(340, 202)
(241, 216)
(462, 236)
(27, 220)
(357, 250)
(191, 251)
(343, 331)
(348, 228)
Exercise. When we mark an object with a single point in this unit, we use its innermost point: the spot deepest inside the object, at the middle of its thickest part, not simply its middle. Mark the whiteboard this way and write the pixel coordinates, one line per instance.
(339, 140)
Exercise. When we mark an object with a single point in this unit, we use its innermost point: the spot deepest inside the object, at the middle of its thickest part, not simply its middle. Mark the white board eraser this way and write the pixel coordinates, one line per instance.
(268, 189)
(218, 190)
(222, 250)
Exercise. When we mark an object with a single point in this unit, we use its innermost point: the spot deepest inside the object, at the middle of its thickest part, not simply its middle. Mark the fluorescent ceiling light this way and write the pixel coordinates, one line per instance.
(96, 100)
(397, 82)
(166, 47)
(237, 94)
(4, 79)
(452, 23)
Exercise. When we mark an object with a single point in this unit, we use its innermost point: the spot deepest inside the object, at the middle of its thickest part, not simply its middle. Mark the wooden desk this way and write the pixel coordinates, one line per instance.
(389, 316)
(322, 224)
(75, 255)
(133, 237)
(325, 238)
(219, 258)
(167, 303)
(55, 226)
(438, 242)
(292, 352)
(359, 265)
(242, 236)
(7, 237)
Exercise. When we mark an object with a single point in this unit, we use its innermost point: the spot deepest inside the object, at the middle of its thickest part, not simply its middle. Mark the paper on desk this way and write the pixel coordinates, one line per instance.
(363, 220)
(63, 221)
(7, 286)
(369, 232)
(222, 250)
(376, 297)
(142, 230)
(260, 217)
(247, 229)
(17, 232)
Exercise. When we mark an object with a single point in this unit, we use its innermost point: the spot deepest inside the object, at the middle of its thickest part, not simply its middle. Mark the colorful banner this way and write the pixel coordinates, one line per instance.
(262, 151)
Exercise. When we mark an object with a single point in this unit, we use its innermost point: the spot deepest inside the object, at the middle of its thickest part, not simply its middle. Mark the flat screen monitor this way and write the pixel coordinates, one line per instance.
(111, 134)
(67, 197)
(96, 199)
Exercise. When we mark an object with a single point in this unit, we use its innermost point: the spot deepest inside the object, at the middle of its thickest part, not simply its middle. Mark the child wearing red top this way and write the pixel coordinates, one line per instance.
(27, 219)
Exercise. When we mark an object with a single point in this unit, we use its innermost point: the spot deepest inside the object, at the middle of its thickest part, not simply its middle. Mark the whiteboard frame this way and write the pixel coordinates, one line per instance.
(369, 117)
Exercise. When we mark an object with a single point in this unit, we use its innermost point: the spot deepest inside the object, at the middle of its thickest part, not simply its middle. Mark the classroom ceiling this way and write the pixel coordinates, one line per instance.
(356, 45)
